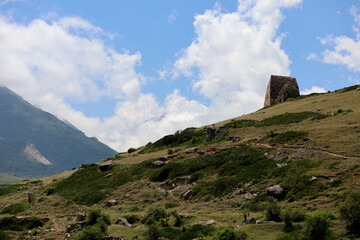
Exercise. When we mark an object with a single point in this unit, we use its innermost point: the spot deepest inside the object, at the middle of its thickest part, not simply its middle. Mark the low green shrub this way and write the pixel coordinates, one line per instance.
(4, 236)
(91, 233)
(171, 205)
(11, 188)
(196, 231)
(288, 136)
(154, 215)
(132, 219)
(273, 211)
(230, 234)
(350, 211)
(354, 87)
(318, 227)
(152, 233)
(95, 215)
(19, 224)
(170, 233)
(197, 176)
(15, 208)
(240, 123)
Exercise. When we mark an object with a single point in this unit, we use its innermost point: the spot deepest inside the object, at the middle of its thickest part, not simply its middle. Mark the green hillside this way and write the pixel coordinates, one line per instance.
(23, 125)
(286, 172)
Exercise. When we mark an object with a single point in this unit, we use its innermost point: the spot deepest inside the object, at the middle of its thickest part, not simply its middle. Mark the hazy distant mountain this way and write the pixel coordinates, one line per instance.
(34, 143)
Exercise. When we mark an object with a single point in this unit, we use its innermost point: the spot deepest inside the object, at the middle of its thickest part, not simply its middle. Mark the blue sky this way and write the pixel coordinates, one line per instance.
(129, 72)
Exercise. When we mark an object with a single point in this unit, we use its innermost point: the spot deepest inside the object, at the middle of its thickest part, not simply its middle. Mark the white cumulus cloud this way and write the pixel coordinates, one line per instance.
(313, 89)
(53, 64)
(234, 55)
(345, 50)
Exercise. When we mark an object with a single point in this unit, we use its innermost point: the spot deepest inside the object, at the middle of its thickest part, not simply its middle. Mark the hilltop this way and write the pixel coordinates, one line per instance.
(34, 143)
(299, 158)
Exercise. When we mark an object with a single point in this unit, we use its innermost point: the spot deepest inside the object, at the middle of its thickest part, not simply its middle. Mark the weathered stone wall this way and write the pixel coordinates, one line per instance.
(280, 88)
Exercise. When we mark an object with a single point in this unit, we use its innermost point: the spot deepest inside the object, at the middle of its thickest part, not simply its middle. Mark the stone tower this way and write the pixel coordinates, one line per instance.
(280, 88)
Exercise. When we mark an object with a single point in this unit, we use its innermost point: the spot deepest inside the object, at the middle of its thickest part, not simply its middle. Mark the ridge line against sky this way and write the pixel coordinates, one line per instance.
(130, 75)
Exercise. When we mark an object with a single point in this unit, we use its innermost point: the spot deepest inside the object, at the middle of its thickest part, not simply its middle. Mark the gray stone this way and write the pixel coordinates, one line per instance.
(250, 220)
(170, 151)
(111, 203)
(123, 221)
(186, 195)
(104, 166)
(158, 164)
(80, 217)
(276, 191)
(69, 229)
(109, 175)
(205, 223)
(31, 197)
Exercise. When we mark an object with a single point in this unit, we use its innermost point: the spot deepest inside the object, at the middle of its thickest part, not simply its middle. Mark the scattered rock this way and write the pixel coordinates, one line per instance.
(109, 175)
(276, 191)
(163, 158)
(192, 150)
(250, 220)
(175, 183)
(6, 206)
(170, 151)
(123, 221)
(158, 164)
(249, 196)
(67, 235)
(313, 179)
(80, 225)
(130, 150)
(69, 229)
(126, 196)
(177, 150)
(186, 195)
(305, 139)
(281, 165)
(106, 165)
(258, 222)
(205, 223)
(80, 217)
(234, 138)
(31, 197)
(111, 203)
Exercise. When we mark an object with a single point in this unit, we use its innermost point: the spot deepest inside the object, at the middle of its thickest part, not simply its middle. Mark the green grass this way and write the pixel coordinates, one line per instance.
(349, 88)
(241, 123)
(15, 208)
(286, 118)
(8, 189)
(288, 136)
(189, 137)
(88, 185)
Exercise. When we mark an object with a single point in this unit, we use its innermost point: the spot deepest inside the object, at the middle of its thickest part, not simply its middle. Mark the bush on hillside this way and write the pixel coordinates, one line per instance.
(273, 211)
(19, 224)
(229, 234)
(318, 227)
(350, 211)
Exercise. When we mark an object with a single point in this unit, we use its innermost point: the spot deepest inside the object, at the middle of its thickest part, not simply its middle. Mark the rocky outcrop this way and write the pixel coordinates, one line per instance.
(31, 197)
(214, 133)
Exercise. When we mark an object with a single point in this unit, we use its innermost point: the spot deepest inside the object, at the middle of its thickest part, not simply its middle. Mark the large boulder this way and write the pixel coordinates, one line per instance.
(104, 166)
(31, 197)
(276, 191)
(205, 223)
(123, 221)
(80, 217)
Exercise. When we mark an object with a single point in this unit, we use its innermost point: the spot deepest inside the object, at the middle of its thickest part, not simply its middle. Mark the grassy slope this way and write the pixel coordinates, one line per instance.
(338, 134)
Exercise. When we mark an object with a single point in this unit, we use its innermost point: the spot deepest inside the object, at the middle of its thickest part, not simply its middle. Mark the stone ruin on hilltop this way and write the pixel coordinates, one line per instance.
(280, 88)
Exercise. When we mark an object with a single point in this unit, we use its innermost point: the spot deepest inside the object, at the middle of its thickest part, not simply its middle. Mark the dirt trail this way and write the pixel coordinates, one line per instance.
(311, 149)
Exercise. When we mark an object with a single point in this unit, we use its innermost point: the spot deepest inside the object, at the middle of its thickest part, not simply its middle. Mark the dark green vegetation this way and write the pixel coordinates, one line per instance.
(8, 189)
(157, 221)
(96, 226)
(19, 224)
(88, 185)
(288, 136)
(15, 208)
(188, 137)
(350, 211)
(23, 125)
